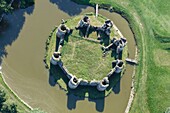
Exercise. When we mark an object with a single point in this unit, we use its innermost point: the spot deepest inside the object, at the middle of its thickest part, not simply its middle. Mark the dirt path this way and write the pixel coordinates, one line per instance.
(140, 99)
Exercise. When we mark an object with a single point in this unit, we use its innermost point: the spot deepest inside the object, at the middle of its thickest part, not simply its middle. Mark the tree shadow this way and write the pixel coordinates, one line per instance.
(69, 7)
(12, 24)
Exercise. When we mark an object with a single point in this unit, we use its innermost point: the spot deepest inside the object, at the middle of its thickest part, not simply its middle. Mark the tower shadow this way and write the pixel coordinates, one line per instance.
(99, 104)
(116, 88)
(55, 74)
(72, 100)
(10, 28)
(115, 78)
(71, 94)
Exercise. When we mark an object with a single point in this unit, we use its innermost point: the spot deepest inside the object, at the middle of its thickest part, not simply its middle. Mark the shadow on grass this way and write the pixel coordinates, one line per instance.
(120, 55)
(113, 53)
(105, 39)
(10, 29)
(57, 44)
(56, 74)
(66, 39)
(82, 31)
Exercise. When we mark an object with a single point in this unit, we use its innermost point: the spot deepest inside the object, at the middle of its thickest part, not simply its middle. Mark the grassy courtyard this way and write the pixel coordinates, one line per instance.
(84, 58)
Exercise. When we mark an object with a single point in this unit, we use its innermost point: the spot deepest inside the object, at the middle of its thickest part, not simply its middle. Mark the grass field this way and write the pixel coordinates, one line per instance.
(149, 20)
(11, 98)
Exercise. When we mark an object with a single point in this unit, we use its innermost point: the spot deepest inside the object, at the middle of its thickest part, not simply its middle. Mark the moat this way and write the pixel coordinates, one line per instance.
(24, 69)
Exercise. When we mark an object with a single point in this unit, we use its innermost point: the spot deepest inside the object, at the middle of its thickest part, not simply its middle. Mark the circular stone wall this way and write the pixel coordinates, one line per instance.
(84, 58)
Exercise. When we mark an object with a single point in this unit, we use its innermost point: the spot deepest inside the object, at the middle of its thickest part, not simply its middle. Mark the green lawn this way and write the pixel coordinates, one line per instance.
(83, 58)
(149, 20)
(11, 98)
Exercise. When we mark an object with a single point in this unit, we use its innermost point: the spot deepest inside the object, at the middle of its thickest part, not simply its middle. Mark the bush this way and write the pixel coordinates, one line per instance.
(5, 109)
(2, 98)
(26, 3)
(167, 110)
(13, 108)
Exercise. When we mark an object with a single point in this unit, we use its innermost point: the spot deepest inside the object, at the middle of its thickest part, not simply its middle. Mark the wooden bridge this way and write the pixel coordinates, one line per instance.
(132, 61)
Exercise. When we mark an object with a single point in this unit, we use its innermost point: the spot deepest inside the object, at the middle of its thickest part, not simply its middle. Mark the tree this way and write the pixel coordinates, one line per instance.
(13, 108)
(26, 3)
(5, 109)
(4, 7)
(2, 98)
